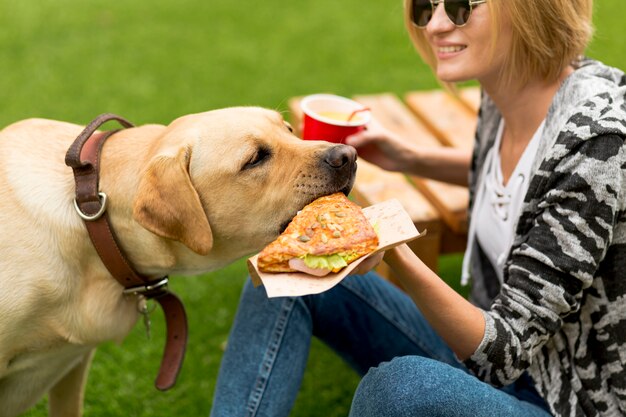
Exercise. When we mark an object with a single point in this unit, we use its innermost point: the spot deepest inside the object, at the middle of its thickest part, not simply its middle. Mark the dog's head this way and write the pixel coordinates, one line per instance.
(228, 181)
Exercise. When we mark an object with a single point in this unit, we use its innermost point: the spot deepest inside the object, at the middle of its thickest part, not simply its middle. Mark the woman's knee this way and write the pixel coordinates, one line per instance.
(408, 385)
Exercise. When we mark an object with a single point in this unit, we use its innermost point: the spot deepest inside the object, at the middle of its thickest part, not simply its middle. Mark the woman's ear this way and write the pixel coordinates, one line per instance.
(168, 205)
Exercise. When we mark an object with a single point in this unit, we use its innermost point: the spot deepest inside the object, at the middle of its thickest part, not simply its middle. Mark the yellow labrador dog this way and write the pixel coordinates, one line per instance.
(219, 185)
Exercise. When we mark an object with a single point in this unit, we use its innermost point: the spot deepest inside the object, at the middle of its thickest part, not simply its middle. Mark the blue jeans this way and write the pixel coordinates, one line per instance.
(407, 369)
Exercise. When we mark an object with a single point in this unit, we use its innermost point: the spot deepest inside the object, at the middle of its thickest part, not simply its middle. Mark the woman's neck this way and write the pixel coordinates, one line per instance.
(524, 108)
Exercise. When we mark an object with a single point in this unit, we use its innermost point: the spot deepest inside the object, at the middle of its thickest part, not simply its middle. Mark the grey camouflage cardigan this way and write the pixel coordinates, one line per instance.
(561, 312)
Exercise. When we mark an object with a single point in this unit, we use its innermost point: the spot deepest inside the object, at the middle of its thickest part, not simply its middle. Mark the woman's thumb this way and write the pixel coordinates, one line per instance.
(358, 139)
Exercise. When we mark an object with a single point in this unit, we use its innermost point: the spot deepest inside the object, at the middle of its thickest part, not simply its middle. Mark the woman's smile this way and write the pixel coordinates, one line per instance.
(447, 51)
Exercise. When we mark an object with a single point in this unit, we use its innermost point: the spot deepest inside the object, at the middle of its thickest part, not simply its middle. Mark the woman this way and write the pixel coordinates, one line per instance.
(545, 331)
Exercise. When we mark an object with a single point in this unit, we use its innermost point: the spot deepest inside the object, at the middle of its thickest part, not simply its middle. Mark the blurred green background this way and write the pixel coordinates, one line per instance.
(152, 61)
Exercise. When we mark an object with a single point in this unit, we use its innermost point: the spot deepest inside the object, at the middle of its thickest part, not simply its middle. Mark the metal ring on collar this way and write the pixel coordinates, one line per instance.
(96, 216)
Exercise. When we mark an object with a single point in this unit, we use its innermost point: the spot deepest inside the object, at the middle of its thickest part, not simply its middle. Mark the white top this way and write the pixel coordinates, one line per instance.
(498, 206)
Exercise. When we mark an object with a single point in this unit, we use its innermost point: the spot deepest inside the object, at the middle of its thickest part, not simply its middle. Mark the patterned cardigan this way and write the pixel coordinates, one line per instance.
(560, 313)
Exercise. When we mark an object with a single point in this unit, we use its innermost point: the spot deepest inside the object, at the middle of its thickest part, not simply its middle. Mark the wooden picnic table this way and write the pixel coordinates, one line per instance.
(428, 118)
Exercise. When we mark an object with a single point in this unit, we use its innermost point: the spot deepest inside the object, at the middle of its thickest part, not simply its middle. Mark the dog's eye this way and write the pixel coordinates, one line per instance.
(259, 157)
(289, 127)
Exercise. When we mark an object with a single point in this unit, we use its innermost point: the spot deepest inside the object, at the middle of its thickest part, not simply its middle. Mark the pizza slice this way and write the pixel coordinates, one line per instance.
(325, 236)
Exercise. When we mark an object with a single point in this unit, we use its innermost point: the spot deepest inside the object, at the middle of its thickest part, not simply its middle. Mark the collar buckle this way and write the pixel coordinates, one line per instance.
(150, 289)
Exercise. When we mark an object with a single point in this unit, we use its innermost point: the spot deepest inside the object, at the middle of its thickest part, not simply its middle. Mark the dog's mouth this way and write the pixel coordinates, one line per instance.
(349, 184)
(284, 226)
(347, 187)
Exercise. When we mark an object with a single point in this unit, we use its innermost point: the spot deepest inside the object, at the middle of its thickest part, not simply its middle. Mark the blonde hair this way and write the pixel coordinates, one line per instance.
(547, 35)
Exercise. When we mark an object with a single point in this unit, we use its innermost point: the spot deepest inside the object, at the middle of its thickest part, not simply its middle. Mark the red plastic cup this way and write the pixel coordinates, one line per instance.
(326, 117)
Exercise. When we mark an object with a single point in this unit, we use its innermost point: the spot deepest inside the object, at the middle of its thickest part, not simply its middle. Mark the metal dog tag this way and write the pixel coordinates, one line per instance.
(145, 310)
(147, 323)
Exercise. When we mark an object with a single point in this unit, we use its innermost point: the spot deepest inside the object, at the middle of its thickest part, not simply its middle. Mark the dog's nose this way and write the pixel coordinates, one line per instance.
(340, 156)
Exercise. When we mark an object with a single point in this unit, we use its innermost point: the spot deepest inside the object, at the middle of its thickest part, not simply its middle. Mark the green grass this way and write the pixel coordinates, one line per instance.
(152, 61)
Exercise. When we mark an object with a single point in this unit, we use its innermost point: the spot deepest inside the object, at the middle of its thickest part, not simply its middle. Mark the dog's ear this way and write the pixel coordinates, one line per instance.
(168, 205)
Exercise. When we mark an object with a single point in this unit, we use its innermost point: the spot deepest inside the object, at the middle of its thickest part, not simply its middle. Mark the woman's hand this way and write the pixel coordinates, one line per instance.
(378, 145)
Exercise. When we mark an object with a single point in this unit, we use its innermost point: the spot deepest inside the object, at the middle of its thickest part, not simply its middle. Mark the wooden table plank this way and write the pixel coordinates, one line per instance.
(389, 110)
(450, 200)
(451, 121)
(374, 185)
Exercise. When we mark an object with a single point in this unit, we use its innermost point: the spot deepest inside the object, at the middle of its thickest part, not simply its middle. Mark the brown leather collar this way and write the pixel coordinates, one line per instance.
(84, 159)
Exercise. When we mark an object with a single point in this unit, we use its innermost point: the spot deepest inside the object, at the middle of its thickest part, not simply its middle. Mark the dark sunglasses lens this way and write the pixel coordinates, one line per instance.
(421, 12)
(458, 11)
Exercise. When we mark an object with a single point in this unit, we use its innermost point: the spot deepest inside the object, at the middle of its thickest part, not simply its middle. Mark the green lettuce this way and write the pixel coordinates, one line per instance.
(325, 261)
(334, 261)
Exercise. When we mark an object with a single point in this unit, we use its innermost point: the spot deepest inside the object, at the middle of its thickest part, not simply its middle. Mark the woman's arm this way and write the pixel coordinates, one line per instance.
(456, 320)
(442, 164)
(394, 153)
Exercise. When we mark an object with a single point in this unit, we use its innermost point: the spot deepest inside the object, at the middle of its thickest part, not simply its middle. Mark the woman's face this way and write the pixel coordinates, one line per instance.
(464, 53)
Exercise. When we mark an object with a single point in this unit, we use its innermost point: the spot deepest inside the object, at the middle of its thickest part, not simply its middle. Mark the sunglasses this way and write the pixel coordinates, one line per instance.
(458, 11)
